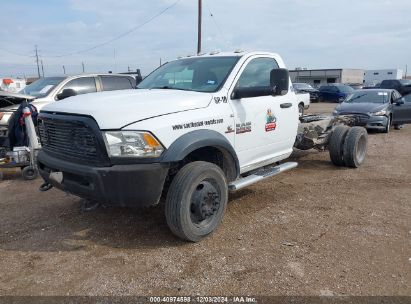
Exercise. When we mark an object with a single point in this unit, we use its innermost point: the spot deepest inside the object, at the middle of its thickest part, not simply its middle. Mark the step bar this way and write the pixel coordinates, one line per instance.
(260, 175)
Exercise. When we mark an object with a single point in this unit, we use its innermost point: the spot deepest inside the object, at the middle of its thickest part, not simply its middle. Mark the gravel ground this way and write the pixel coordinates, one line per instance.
(316, 230)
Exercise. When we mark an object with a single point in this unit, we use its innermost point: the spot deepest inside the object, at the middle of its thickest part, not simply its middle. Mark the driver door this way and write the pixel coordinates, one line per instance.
(262, 124)
(402, 112)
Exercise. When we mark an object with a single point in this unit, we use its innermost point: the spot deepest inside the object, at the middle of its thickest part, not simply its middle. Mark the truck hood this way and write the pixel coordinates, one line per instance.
(11, 101)
(116, 109)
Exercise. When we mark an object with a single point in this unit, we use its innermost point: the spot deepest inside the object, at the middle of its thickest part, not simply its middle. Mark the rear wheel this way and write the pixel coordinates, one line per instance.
(320, 99)
(355, 147)
(336, 145)
(196, 200)
(398, 127)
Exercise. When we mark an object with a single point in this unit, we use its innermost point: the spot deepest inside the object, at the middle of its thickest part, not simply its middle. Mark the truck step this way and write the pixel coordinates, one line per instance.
(260, 175)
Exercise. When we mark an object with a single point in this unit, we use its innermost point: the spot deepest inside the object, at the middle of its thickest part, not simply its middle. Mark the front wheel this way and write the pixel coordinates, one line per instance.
(300, 110)
(388, 125)
(29, 173)
(196, 200)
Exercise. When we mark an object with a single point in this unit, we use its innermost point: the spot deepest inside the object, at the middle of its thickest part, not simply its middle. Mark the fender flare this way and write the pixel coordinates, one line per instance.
(197, 139)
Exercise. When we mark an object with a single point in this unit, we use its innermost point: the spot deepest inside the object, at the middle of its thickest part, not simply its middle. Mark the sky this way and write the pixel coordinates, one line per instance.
(364, 34)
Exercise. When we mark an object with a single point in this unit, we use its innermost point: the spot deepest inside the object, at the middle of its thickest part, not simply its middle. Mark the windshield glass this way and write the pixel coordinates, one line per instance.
(368, 97)
(405, 81)
(301, 86)
(41, 87)
(345, 89)
(193, 74)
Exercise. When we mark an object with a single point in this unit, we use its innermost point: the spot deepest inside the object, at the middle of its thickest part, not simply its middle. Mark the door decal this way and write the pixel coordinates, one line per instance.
(271, 121)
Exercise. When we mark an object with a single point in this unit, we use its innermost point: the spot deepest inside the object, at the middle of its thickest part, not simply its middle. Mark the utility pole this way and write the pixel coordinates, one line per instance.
(64, 69)
(160, 61)
(199, 27)
(42, 68)
(406, 70)
(82, 65)
(37, 61)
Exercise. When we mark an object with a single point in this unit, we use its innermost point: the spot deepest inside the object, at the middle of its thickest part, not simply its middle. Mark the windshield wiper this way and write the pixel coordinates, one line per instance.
(169, 88)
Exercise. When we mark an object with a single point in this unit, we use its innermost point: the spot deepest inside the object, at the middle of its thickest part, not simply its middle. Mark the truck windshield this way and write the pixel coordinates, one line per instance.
(368, 97)
(42, 86)
(200, 74)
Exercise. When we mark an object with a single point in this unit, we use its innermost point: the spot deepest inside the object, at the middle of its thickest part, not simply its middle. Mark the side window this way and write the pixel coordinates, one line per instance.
(407, 98)
(82, 85)
(112, 83)
(333, 89)
(257, 73)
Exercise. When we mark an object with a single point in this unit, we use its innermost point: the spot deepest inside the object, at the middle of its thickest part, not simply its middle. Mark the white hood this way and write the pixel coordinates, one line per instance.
(115, 109)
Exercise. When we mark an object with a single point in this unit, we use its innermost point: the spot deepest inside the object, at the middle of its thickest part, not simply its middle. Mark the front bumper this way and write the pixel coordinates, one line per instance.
(131, 185)
(377, 123)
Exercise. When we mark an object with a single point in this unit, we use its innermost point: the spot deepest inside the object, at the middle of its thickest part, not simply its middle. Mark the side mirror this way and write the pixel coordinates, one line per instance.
(280, 81)
(399, 102)
(239, 93)
(66, 93)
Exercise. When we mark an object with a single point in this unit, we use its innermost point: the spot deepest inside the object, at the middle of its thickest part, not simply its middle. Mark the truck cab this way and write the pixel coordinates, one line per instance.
(194, 129)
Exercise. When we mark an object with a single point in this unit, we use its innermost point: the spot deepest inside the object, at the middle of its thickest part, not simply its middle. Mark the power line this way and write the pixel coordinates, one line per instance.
(100, 44)
(119, 36)
(15, 53)
(216, 24)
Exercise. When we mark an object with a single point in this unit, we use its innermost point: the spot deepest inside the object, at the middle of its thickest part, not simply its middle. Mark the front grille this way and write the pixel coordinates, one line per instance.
(69, 138)
(360, 119)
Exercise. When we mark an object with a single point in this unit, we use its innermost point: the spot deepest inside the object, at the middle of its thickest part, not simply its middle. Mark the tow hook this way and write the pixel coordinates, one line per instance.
(45, 187)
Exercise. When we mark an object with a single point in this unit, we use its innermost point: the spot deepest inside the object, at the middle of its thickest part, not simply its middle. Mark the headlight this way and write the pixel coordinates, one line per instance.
(132, 144)
(380, 113)
(335, 112)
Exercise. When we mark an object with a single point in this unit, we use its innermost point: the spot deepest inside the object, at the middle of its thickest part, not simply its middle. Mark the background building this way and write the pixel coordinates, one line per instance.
(324, 76)
(376, 76)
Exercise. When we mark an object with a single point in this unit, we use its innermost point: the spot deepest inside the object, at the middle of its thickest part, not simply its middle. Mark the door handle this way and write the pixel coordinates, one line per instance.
(286, 105)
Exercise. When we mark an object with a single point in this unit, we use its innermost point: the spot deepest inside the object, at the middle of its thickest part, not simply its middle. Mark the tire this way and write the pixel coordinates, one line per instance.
(300, 110)
(336, 145)
(320, 99)
(29, 173)
(355, 147)
(387, 127)
(196, 201)
(398, 127)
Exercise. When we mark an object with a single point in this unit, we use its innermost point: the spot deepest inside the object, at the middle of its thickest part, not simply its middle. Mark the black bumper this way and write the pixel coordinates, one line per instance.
(132, 185)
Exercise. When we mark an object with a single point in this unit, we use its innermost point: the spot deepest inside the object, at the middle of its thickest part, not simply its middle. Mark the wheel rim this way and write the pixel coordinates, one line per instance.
(361, 149)
(388, 124)
(205, 203)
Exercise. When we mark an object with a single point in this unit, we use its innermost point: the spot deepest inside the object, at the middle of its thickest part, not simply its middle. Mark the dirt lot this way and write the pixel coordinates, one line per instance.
(316, 230)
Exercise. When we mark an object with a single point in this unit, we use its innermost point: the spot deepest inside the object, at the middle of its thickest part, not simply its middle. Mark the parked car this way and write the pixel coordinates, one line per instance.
(301, 87)
(377, 108)
(403, 86)
(50, 89)
(334, 92)
(356, 86)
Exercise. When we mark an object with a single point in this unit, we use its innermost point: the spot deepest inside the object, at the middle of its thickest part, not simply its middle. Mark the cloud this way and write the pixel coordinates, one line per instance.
(314, 34)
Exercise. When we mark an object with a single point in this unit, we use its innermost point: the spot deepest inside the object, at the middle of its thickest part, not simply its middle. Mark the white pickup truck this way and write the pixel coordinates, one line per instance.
(194, 129)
